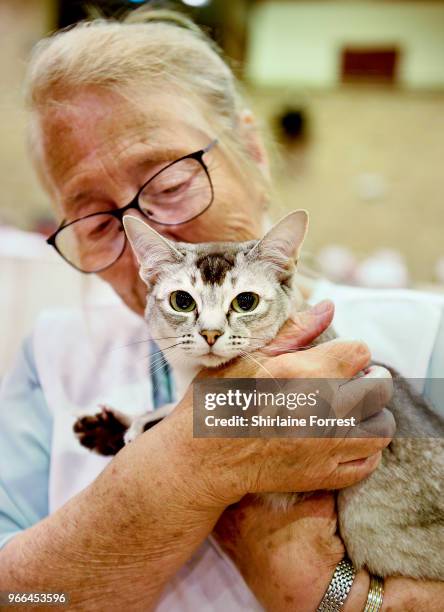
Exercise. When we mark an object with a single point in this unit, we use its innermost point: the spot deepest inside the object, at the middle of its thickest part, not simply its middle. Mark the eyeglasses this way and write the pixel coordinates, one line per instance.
(176, 194)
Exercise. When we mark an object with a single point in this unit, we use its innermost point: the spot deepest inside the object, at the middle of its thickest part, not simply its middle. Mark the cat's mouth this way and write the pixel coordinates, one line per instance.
(211, 359)
(212, 355)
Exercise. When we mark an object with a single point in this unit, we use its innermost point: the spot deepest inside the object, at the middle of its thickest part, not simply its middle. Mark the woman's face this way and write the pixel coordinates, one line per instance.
(99, 149)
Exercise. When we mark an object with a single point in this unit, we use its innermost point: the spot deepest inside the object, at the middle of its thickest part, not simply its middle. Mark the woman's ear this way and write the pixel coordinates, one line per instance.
(253, 141)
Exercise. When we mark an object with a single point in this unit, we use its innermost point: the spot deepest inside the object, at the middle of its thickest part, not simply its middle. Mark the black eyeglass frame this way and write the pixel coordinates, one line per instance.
(118, 213)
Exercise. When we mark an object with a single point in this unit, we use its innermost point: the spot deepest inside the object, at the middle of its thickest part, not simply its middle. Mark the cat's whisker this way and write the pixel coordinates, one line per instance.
(153, 370)
(305, 348)
(167, 348)
(295, 349)
(288, 349)
(145, 341)
(122, 346)
(159, 352)
(156, 384)
(159, 362)
(166, 338)
(254, 360)
(327, 350)
(237, 337)
(149, 339)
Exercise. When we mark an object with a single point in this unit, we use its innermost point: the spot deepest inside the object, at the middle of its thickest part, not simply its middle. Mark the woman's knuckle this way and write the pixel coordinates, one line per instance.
(362, 351)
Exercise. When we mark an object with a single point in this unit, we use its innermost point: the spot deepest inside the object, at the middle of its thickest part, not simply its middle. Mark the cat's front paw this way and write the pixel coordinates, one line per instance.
(102, 432)
(146, 421)
(139, 425)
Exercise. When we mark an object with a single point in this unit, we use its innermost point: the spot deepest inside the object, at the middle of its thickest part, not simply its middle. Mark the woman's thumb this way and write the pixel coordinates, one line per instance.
(301, 329)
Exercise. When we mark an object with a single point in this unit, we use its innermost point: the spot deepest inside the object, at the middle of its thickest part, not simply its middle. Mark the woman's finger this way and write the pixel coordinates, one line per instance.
(339, 359)
(364, 396)
(352, 472)
(301, 329)
(381, 425)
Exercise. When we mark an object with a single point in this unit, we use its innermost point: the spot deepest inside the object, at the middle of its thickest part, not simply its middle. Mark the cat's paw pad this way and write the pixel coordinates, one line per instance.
(102, 432)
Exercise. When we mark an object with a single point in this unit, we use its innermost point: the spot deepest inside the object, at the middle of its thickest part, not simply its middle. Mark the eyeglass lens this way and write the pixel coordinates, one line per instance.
(177, 194)
(93, 243)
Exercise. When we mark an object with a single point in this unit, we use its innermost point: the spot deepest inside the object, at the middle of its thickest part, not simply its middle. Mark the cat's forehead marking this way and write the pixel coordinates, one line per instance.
(214, 267)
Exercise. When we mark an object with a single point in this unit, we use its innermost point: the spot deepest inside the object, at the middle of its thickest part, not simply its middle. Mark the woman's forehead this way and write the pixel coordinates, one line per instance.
(98, 125)
(107, 116)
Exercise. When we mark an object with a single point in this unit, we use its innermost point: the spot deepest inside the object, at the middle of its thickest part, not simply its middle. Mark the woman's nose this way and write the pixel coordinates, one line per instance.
(211, 335)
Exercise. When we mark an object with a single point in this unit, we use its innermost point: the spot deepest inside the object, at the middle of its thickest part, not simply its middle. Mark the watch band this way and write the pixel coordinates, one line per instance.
(339, 587)
(375, 594)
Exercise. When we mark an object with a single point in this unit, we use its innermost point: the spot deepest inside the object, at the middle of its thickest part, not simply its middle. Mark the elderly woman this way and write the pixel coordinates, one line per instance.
(113, 104)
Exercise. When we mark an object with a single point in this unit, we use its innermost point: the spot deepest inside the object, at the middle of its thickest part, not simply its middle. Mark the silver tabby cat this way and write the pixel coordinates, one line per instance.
(211, 303)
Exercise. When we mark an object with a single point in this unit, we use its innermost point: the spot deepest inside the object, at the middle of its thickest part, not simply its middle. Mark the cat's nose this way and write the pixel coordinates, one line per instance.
(211, 335)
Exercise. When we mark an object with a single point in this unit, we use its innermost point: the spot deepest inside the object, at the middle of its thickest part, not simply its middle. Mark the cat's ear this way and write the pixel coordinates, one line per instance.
(151, 249)
(281, 245)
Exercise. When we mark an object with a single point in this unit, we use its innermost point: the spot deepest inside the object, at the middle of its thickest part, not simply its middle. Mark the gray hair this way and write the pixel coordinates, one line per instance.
(150, 47)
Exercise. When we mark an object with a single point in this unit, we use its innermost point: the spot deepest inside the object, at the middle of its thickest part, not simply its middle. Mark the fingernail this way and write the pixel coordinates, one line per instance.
(322, 307)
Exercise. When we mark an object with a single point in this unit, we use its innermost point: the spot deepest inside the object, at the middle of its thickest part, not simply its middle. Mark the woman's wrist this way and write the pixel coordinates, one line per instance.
(202, 471)
(283, 567)
(357, 597)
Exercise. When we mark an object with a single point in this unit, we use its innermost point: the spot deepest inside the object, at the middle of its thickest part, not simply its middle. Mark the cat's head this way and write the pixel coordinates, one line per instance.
(210, 303)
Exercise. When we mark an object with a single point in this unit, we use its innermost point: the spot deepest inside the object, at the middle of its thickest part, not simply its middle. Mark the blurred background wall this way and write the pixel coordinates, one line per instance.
(22, 24)
(351, 97)
(301, 42)
(370, 166)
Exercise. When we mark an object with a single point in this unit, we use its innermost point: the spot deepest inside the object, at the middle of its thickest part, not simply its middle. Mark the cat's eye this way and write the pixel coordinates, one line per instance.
(245, 302)
(182, 301)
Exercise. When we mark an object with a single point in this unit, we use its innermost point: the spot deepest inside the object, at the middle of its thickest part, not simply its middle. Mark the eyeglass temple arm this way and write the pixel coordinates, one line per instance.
(212, 144)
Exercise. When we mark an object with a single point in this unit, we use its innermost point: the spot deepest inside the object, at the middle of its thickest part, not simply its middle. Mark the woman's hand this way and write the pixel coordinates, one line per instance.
(233, 467)
(288, 558)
